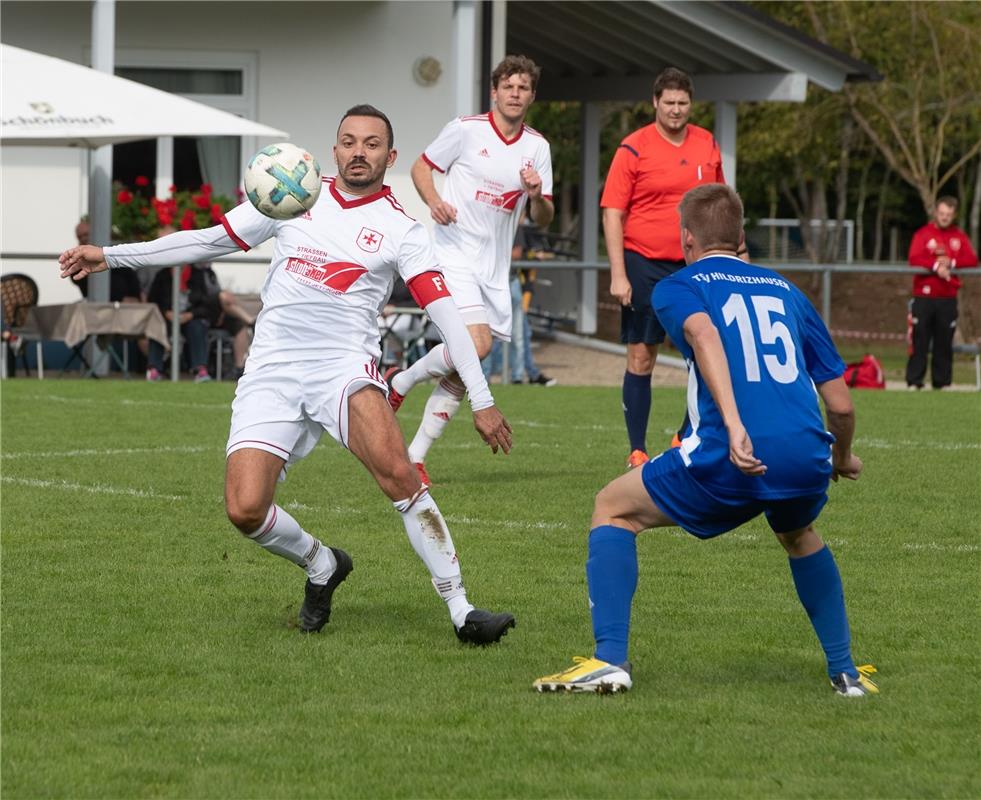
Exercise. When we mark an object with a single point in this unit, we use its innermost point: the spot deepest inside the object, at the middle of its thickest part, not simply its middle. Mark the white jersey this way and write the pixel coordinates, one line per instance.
(331, 272)
(483, 183)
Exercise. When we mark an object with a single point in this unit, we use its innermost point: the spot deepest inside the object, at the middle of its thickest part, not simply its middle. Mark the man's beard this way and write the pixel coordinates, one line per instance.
(359, 180)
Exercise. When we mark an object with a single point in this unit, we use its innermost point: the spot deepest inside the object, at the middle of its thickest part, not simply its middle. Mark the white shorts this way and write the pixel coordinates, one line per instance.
(480, 303)
(284, 408)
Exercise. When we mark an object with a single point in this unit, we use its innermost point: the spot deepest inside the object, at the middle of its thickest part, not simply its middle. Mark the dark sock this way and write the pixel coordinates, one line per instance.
(636, 408)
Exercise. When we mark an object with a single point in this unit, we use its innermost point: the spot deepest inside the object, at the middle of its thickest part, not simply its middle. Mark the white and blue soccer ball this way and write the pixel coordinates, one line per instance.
(283, 181)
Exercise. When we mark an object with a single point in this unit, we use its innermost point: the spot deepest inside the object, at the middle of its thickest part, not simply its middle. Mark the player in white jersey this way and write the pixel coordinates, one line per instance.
(494, 165)
(313, 362)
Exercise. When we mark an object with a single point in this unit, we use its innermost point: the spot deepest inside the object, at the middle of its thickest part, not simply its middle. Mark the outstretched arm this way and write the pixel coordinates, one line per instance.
(713, 365)
(80, 262)
(182, 247)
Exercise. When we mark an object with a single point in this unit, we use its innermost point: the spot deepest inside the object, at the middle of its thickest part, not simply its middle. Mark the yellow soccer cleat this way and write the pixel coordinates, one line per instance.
(588, 675)
(847, 686)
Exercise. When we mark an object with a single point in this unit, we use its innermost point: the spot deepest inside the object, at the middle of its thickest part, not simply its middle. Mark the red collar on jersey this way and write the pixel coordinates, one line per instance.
(490, 119)
(360, 201)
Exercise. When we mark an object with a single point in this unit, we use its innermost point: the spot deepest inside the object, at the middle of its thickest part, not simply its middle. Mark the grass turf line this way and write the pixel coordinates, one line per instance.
(147, 650)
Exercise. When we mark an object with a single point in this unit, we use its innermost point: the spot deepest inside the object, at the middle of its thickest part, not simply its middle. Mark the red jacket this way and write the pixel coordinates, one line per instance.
(930, 242)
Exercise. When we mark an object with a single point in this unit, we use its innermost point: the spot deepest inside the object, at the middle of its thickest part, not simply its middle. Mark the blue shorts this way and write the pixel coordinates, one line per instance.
(705, 514)
(638, 322)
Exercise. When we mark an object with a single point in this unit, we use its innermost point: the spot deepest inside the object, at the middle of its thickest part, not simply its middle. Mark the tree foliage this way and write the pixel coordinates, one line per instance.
(922, 118)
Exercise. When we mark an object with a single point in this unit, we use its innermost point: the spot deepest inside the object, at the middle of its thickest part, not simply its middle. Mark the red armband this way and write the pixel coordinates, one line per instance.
(426, 287)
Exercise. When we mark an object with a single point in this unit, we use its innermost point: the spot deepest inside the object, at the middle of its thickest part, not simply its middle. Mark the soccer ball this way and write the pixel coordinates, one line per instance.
(283, 181)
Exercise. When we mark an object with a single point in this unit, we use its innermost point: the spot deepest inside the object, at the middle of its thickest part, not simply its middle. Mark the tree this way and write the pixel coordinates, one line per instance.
(922, 117)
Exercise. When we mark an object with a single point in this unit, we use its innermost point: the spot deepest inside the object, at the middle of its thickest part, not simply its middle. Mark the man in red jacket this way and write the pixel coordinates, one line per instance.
(937, 249)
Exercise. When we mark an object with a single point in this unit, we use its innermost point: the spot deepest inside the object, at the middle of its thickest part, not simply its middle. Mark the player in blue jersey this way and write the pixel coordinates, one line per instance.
(755, 443)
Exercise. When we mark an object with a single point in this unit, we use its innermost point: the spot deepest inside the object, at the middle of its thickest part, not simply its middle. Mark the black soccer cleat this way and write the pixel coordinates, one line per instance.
(484, 627)
(315, 612)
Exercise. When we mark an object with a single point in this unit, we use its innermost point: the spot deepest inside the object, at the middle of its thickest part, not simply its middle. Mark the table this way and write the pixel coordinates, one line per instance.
(76, 323)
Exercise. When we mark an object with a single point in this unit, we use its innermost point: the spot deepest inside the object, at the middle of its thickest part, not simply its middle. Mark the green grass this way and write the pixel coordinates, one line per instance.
(149, 651)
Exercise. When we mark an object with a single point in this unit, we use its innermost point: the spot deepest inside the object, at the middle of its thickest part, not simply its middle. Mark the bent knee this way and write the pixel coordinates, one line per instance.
(246, 515)
(605, 507)
(399, 479)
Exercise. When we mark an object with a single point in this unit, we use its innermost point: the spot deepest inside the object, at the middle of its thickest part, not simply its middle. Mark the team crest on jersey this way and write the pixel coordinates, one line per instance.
(527, 163)
(955, 244)
(370, 240)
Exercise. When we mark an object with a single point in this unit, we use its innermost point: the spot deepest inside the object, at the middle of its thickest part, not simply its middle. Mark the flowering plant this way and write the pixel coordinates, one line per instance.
(138, 216)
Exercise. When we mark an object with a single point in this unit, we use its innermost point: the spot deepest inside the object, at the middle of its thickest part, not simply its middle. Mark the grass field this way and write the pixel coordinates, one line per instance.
(148, 651)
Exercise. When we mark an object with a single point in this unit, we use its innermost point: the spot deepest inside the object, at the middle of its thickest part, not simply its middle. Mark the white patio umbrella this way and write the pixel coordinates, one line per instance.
(46, 101)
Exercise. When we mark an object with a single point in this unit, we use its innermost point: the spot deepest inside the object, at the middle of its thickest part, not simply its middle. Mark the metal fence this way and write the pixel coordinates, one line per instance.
(592, 267)
(826, 271)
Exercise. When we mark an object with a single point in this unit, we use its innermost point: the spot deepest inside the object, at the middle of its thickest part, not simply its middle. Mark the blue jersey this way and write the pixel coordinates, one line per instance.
(778, 349)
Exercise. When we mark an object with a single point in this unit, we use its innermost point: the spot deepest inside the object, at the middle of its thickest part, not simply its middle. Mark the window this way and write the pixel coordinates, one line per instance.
(222, 80)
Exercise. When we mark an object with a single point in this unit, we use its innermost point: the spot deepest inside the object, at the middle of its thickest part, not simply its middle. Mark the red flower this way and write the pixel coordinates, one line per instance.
(145, 211)
(216, 212)
(206, 189)
(165, 217)
(124, 197)
(172, 188)
(142, 180)
(201, 200)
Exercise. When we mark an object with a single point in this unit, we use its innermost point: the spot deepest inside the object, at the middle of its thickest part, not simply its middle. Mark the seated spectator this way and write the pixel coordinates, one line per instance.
(194, 328)
(207, 300)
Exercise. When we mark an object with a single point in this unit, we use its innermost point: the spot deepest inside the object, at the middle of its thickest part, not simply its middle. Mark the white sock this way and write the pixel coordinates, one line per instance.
(435, 364)
(441, 407)
(282, 535)
(431, 540)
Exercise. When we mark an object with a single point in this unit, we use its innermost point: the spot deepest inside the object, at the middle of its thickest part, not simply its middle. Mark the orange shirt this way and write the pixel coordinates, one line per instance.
(648, 178)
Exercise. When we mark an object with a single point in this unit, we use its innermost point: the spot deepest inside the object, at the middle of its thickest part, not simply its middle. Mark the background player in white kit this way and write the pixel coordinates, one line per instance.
(494, 165)
(313, 362)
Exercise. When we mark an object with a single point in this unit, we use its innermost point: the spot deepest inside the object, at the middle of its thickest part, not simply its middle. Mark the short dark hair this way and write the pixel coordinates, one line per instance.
(516, 65)
(365, 110)
(947, 200)
(673, 78)
(713, 213)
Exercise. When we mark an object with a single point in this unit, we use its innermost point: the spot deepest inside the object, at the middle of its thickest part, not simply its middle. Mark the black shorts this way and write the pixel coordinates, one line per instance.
(638, 322)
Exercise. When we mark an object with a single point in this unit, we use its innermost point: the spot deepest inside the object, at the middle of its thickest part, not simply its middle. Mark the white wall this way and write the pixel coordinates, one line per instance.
(315, 60)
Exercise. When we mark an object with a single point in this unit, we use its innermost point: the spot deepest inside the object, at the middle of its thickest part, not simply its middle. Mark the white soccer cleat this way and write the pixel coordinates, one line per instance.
(588, 675)
(847, 686)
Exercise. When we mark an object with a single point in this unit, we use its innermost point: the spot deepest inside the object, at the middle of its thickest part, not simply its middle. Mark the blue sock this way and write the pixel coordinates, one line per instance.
(819, 589)
(611, 572)
(636, 408)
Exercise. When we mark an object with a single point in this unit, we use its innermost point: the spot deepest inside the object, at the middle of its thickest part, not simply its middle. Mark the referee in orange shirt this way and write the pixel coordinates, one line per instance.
(651, 171)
